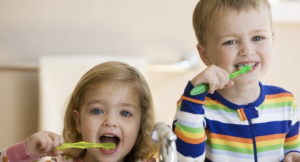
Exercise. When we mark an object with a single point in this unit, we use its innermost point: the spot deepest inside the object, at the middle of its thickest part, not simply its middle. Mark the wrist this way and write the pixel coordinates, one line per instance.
(18, 152)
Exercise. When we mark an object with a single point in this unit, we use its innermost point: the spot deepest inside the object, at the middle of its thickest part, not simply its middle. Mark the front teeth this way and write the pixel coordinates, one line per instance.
(109, 135)
(242, 65)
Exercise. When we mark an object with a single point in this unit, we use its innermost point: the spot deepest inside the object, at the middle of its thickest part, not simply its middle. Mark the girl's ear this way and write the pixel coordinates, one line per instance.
(76, 116)
(203, 55)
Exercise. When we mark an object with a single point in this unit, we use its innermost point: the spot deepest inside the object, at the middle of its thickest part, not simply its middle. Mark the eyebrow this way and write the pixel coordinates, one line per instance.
(252, 31)
(260, 30)
(128, 105)
(119, 104)
(94, 101)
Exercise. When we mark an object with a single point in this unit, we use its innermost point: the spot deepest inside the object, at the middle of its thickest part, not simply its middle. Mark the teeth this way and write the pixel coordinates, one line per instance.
(109, 135)
(246, 64)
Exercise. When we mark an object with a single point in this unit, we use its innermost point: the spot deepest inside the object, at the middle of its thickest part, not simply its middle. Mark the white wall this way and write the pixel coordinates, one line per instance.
(150, 28)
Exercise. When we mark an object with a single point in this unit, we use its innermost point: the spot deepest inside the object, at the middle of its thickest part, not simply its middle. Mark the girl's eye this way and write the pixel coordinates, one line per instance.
(125, 113)
(230, 42)
(97, 111)
(257, 38)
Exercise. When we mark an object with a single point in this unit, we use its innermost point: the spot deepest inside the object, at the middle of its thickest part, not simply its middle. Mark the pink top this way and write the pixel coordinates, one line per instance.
(18, 153)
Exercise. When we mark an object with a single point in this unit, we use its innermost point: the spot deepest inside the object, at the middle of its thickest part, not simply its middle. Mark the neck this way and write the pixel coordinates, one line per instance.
(241, 94)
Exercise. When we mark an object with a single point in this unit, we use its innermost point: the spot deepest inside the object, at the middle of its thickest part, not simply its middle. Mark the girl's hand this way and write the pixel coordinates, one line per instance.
(292, 157)
(216, 77)
(149, 160)
(41, 144)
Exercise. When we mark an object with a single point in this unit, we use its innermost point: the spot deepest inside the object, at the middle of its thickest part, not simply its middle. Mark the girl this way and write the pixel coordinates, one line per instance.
(110, 103)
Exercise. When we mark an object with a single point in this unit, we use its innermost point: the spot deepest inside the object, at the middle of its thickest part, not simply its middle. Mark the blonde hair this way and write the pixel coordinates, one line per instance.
(121, 73)
(205, 9)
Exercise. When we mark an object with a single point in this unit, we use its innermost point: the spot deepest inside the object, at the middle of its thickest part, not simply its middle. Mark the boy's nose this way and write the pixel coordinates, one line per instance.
(246, 50)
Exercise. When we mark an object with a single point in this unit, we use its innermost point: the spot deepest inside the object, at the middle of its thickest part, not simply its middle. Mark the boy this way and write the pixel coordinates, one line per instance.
(238, 120)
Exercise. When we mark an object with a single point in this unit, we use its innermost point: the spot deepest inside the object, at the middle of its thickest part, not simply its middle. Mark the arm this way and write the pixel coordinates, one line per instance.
(188, 127)
(38, 145)
(15, 153)
(292, 141)
(189, 121)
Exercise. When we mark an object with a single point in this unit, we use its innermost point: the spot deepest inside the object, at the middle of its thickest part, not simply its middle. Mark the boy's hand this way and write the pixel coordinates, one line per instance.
(292, 157)
(41, 144)
(216, 77)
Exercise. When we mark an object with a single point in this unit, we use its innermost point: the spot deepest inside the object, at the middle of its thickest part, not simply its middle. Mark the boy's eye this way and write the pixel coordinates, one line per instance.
(97, 111)
(230, 42)
(257, 38)
(125, 113)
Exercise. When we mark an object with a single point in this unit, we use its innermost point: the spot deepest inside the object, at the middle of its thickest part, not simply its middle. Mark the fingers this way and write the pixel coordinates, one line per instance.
(57, 139)
(216, 77)
(50, 140)
(148, 160)
(219, 81)
(230, 84)
(151, 160)
(41, 144)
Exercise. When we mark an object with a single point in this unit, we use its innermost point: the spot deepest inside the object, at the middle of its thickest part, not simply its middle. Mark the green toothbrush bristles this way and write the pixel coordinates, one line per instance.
(243, 70)
(86, 145)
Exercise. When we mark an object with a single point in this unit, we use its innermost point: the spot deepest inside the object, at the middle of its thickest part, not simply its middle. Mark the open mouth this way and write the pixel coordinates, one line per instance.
(239, 66)
(107, 138)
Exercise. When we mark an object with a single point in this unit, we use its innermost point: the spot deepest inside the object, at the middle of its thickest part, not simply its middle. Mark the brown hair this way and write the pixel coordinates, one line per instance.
(113, 72)
(205, 9)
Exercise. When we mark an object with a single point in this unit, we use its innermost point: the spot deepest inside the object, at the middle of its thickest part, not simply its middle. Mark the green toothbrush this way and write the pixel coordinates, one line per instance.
(201, 88)
(85, 145)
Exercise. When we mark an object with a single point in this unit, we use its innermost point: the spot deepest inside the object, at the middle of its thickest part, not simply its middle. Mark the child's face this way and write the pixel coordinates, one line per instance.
(234, 39)
(110, 113)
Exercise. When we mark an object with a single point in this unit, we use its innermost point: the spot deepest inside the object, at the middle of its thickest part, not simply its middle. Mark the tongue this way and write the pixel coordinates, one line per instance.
(104, 139)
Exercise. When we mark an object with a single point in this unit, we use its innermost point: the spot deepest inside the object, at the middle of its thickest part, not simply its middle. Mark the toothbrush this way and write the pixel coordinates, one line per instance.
(201, 88)
(85, 145)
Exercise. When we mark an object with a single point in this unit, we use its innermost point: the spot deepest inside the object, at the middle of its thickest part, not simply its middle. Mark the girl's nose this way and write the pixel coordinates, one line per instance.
(110, 121)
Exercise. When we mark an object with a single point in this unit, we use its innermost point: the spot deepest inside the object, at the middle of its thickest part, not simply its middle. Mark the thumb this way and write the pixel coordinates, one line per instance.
(230, 84)
(54, 153)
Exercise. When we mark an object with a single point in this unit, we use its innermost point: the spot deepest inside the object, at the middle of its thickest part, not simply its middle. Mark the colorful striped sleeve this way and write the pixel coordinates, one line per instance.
(292, 139)
(189, 128)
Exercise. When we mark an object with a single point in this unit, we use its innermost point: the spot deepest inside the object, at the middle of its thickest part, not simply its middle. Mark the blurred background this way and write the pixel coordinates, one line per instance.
(45, 46)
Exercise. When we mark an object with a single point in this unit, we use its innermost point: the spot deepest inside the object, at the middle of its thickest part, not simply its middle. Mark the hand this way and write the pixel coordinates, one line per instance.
(41, 144)
(292, 157)
(216, 77)
(149, 160)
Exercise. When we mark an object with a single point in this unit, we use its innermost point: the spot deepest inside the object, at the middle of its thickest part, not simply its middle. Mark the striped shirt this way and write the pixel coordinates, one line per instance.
(211, 128)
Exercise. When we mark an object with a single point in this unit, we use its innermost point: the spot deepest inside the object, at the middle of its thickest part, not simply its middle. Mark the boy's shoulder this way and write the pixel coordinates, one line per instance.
(272, 89)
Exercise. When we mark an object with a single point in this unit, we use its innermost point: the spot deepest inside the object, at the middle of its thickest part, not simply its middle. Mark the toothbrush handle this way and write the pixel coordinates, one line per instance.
(199, 89)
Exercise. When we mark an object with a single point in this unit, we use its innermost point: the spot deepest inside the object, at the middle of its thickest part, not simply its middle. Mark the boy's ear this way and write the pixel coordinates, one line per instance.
(203, 54)
(76, 116)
